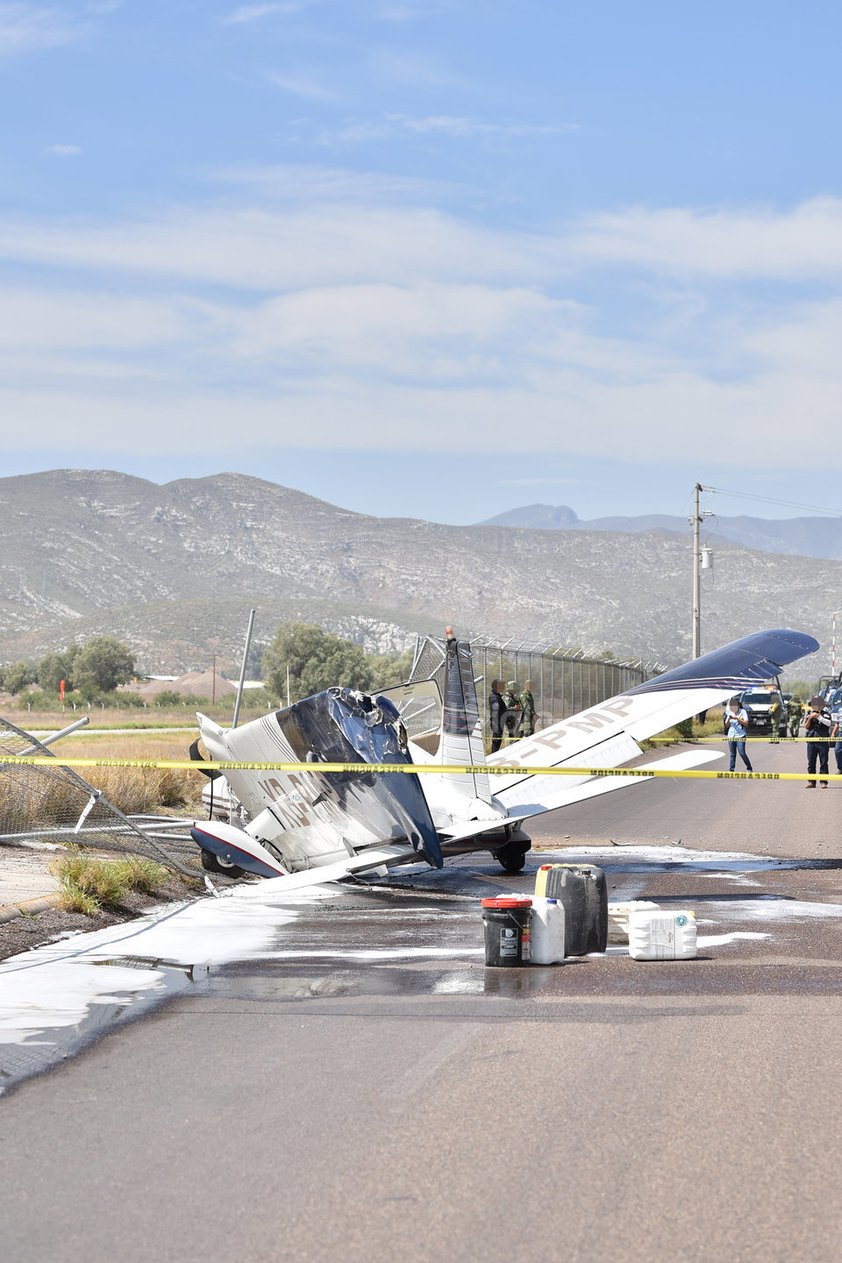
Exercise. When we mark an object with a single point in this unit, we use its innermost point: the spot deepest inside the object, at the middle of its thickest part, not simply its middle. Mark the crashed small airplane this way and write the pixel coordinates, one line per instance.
(311, 826)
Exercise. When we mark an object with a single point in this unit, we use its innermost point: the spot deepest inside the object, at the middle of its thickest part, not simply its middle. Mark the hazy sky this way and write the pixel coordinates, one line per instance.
(435, 258)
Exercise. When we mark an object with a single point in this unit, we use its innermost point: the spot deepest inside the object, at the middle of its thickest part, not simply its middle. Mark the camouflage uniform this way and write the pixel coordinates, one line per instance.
(794, 712)
(527, 710)
(513, 717)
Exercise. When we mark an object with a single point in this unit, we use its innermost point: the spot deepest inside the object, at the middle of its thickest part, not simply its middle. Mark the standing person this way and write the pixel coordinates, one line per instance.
(513, 716)
(817, 725)
(527, 710)
(736, 727)
(497, 711)
(836, 735)
(794, 713)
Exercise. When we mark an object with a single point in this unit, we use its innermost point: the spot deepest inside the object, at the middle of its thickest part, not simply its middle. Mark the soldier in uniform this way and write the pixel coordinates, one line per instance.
(527, 710)
(793, 710)
(512, 705)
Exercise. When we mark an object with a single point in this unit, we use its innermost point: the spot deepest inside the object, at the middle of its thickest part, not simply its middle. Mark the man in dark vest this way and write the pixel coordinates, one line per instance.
(497, 710)
(817, 725)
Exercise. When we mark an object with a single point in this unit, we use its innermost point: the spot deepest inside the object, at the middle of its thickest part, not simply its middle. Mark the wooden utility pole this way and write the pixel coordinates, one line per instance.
(697, 580)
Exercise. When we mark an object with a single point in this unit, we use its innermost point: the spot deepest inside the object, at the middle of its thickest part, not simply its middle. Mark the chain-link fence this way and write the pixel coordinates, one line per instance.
(563, 681)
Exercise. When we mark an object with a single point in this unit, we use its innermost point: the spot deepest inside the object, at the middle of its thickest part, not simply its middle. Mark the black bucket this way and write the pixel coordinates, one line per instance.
(507, 922)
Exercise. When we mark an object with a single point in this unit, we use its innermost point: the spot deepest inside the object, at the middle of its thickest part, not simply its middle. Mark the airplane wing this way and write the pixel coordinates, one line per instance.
(575, 789)
(606, 735)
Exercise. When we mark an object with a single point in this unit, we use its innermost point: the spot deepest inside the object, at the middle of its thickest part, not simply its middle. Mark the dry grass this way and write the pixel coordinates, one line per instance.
(89, 885)
(32, 800)
(138, 790)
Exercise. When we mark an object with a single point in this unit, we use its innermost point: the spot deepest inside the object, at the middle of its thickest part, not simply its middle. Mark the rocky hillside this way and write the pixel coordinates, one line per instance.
(174, 569)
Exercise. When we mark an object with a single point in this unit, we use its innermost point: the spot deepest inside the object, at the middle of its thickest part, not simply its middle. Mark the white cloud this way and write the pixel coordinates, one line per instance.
(421, 331)
(413, 70)
(803, 242)
(306, 85)
(346, 319)
(25, 27)
(457, 126)
(247, 13)
(454, 125)
(274, 250)
(315, 186)
(409, 10)
(62, 151)
(52, 319)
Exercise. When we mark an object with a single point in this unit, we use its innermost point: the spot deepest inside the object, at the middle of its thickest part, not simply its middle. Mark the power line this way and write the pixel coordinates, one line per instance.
(788, 504)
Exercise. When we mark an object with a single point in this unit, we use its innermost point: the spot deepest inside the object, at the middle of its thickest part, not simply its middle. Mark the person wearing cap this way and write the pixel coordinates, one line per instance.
(527, 710)
(817, 725)
(736, 728)
(513, 715)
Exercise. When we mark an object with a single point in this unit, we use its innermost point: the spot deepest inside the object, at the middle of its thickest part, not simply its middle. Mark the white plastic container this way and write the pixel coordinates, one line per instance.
(618, 918)
(662, 935)
(547, 931)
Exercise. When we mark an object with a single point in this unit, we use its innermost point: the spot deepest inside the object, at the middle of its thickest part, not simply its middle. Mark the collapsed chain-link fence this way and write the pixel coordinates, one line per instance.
(57, 805)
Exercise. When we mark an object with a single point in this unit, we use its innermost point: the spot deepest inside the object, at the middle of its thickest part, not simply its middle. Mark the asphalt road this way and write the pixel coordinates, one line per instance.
(368, 1090)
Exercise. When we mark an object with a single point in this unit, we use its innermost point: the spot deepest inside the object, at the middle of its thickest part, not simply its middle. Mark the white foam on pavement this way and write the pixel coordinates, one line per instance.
(56, 984)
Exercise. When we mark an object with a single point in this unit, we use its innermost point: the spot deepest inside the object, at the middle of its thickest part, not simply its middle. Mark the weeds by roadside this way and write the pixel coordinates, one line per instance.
(88, 885)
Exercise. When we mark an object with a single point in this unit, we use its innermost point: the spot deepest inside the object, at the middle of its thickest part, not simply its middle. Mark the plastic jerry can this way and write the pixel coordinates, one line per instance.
(569, 890)
(662, 935)
(618, 918)
(547, 947)
(547, 882)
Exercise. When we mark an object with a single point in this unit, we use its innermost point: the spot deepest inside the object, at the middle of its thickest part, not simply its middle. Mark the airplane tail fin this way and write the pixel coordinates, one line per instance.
(461, 737)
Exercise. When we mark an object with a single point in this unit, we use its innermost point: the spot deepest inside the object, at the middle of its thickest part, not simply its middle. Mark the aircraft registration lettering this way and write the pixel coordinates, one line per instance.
(589, 721)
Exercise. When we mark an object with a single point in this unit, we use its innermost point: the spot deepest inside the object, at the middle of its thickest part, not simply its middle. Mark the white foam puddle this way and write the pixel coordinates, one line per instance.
(772, 909)
(628, 858)
(719, 940)
(376, 954)
(457, 983)
(59, 984)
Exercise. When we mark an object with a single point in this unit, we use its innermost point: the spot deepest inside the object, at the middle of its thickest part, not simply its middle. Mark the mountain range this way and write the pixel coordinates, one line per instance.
(799, 536)
(173, 571)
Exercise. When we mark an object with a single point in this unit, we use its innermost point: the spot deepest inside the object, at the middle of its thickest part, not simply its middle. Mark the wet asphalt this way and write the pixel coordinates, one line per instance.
(367, 1088)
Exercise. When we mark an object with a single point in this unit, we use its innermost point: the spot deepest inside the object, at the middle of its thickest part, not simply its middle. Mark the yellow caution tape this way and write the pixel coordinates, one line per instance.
(42, 760)
(713, 737)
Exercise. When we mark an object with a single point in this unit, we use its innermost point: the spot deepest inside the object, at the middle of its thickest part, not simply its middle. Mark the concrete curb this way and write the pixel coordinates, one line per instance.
(9, 911)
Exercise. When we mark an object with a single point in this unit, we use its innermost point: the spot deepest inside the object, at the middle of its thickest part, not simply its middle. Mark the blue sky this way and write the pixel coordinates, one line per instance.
(431, 258)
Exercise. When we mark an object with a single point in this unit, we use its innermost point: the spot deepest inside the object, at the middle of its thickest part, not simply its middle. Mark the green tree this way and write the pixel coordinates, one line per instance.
(17, 675)
(389, 669)
(315, 659)
(54, 667)
(103, 663)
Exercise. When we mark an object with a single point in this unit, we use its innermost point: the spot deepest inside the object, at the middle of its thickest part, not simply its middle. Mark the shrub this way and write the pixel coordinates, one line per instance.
(89, 885)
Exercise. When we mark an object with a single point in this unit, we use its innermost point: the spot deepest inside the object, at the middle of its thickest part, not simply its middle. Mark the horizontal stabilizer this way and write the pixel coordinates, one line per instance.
(373, 857)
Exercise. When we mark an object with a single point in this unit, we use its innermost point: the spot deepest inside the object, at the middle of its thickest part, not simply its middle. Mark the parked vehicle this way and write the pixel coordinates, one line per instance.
(766, 712)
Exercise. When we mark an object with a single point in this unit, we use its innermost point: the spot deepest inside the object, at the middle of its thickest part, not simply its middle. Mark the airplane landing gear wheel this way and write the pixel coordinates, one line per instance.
(512, 857)
(213, 864)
